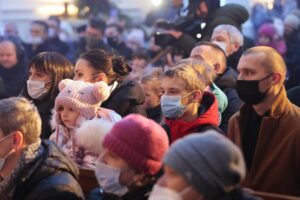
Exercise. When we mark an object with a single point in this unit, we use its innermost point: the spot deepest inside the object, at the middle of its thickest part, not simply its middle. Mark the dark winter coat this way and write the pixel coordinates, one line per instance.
(294, 95)
(232, 14)
(54, 176)
(61, 47)
(155, 114)
(15, 78)
(44, 47)
(127, 98)
(45, 107)
(227, 83)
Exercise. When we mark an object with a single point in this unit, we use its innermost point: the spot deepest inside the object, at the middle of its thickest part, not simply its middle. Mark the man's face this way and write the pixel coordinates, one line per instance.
(8, 54)
(250, 68)
(202, 10)
(175, 87)
(37, 30)
(112, 32)
(53, 26)
(174, 181)
(93, 32)
(223, 36)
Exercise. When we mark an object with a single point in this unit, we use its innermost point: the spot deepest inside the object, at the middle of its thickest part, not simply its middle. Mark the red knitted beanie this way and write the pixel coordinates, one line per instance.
(139, 141)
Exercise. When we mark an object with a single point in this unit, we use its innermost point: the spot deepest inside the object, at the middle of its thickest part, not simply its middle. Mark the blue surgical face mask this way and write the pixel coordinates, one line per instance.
(171, 106)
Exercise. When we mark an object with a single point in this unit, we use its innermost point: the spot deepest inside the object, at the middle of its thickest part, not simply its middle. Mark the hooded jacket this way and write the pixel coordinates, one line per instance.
(127, 98)
(233, 14)
(54, 176)
(15, 78)
(208, 118)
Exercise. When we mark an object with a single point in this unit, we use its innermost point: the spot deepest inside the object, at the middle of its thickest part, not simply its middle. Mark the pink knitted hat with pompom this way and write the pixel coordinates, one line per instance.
(139, 141)
(83, 97)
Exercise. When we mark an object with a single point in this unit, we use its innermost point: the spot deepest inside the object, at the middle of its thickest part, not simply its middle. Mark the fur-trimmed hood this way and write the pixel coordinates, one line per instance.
(91, 134)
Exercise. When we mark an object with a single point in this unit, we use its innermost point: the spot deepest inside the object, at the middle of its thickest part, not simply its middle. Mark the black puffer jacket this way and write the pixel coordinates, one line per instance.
(227, 83)
(54, 176)
(127, 98)
(233, 14)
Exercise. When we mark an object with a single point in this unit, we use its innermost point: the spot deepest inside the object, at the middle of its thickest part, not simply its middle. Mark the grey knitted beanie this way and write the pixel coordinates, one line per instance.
(209, 162)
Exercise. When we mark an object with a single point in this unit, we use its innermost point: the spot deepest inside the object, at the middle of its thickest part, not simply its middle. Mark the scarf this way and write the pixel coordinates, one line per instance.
(24, 169)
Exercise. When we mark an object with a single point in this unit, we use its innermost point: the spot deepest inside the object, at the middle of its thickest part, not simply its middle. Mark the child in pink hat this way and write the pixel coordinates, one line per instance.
(77, 103)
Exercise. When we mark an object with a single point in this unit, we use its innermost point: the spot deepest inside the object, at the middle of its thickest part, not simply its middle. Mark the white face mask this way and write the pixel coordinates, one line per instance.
(36, 89)
(35, 40)
(51, 33)
(2, 160)
(164, 193)
(222, 45)
(108, 179)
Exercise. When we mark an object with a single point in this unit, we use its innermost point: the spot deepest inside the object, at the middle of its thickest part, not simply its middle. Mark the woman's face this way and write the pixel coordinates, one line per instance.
(84, 72)
(35, 75)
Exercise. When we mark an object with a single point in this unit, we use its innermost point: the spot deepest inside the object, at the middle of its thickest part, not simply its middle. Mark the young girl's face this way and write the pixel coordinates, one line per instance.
(68, 116)
(152, 99)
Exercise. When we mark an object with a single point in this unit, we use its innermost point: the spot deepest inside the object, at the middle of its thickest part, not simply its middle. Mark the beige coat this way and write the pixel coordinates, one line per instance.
(276, 161)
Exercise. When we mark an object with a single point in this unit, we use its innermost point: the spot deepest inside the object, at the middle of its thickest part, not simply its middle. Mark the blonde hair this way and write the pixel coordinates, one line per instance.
(187, 71)
(18, 114)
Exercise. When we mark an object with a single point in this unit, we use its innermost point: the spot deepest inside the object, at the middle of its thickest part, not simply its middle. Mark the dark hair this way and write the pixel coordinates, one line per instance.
(54, 64)
(117, 26)
(41, 23)
(97, 23)
(113, 66)
(141, 53)
(55, 18)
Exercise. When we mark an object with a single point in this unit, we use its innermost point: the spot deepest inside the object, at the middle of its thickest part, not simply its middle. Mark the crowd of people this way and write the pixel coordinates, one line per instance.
(208, 116)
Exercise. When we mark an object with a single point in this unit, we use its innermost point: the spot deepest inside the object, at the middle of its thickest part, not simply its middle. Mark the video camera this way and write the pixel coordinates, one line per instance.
(183, 24)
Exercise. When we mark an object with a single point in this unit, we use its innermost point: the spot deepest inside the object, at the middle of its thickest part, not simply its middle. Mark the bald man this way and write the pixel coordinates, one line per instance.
(226, 77)
(267, 126)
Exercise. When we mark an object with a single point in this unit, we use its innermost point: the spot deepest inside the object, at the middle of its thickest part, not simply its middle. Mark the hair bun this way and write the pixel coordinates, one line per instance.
(120, 66)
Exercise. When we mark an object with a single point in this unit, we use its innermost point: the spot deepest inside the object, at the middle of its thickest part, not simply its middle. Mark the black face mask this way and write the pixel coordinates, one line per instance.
(113, 41)
(249, 92)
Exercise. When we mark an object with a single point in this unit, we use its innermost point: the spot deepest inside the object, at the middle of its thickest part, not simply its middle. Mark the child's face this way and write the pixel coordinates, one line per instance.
(139, 63)
(151, 98)
(109, 158)
(68, 116)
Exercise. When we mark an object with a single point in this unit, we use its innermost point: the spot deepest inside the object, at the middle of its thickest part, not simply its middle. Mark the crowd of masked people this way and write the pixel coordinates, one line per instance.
(210, 118)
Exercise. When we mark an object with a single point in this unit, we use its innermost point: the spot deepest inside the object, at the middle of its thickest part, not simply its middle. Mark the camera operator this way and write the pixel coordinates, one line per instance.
(202, 17)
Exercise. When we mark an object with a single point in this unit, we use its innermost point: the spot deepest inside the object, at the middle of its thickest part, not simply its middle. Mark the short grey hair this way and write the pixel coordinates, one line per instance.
(235, 35)
(18, 114)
